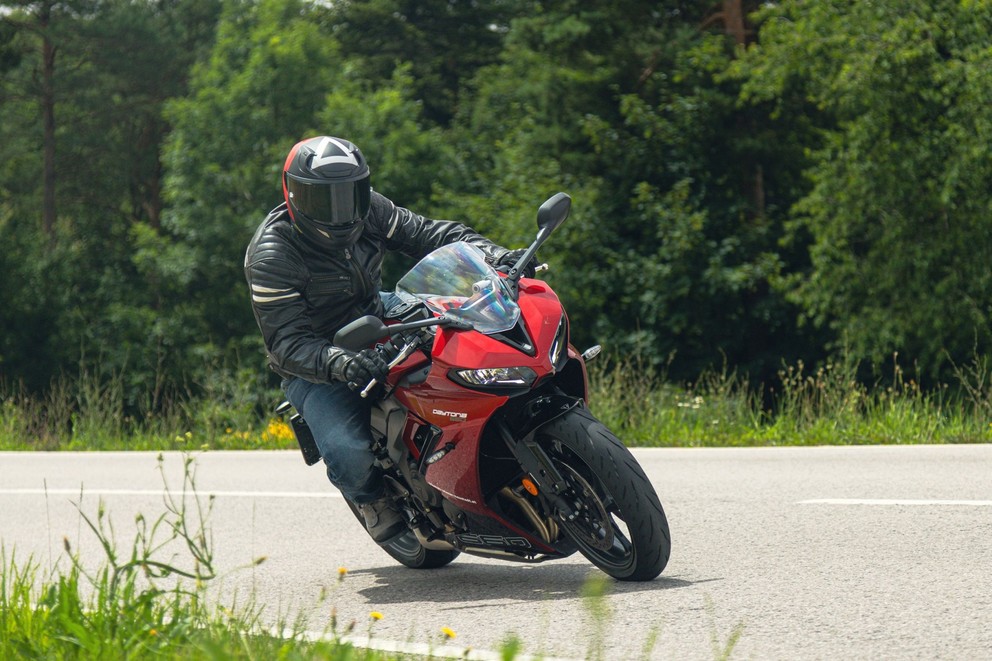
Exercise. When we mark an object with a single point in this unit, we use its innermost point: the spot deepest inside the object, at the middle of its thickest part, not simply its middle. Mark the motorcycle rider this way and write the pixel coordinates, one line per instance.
(314, 265)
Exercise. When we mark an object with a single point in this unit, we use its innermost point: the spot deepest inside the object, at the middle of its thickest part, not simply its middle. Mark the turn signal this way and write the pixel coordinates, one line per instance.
(529, 486)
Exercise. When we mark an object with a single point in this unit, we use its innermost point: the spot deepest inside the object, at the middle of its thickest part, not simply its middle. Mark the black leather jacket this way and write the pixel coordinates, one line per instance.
(302, 295)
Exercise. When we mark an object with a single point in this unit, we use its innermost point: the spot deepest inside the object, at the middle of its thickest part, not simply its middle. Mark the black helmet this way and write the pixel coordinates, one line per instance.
(326, 185)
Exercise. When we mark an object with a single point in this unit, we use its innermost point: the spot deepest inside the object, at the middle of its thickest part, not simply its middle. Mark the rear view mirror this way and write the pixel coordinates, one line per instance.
(553, 213)
(550, 216)
(361, 333)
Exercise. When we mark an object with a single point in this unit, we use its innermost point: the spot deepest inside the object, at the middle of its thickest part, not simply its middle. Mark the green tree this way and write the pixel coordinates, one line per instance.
(898, 209)
(680, 192)
(259, 92)
(116, 63)
(441, 42)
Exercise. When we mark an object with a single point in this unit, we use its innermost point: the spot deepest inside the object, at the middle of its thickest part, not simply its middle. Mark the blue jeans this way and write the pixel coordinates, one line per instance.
(339, 419)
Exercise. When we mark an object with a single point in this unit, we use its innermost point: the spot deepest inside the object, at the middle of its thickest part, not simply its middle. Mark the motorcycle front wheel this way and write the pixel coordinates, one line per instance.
(619, 524)
(407, 549)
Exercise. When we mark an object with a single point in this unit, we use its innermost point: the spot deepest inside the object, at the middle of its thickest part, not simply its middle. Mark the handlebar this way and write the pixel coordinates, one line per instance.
(411, 340)
(399, 354)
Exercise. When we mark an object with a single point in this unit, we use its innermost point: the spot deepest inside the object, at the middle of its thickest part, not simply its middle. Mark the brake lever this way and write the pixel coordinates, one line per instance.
(403, 354)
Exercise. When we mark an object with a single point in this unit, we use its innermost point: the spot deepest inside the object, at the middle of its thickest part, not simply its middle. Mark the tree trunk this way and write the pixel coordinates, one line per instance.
(733, 21)
(48, 119)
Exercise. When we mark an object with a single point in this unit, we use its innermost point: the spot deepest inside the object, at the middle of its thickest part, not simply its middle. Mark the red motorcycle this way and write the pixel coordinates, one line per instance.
(482, 428)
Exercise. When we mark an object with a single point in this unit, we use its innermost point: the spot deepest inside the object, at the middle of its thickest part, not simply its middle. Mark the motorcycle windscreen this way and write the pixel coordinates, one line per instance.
(456, 280)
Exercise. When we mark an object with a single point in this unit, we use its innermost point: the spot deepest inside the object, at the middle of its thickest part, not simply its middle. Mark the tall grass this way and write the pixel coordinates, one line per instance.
(825, 405)
(89, 412)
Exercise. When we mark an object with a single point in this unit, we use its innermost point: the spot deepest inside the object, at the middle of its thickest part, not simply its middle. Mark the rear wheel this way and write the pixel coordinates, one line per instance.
(619, 523)
(407, 549)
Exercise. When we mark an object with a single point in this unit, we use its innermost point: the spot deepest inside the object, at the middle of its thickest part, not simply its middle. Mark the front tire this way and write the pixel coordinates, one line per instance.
(620, 525)
(407, 549)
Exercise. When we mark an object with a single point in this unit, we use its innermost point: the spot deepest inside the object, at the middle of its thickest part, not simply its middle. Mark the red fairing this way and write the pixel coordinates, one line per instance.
(461, 413)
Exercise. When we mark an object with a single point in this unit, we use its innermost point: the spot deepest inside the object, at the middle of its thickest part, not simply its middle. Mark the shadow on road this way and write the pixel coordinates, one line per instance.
(505, 583)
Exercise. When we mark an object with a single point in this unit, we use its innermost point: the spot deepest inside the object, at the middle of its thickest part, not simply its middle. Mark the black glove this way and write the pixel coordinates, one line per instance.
(358, 369)
(510, 258)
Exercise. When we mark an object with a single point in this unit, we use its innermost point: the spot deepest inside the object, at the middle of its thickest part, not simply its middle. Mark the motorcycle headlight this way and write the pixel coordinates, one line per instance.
(495, 377)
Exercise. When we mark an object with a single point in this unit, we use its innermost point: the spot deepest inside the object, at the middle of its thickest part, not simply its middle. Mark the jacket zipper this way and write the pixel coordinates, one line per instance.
(363, 278)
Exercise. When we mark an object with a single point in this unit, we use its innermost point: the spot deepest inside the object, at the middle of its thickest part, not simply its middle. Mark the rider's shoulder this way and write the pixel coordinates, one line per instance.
(381, 212)
(274, 241)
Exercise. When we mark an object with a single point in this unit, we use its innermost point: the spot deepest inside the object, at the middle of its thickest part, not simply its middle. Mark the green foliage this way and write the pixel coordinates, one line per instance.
(898, 210)
(815, 183)
(248, 104)
(829, 405)
(440, 43)
(386, 122)
(73, 295)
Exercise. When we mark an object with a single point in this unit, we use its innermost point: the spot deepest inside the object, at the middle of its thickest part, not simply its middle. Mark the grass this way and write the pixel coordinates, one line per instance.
(827, 405)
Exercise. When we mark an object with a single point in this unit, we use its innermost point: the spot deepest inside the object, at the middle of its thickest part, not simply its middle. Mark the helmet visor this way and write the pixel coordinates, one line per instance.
(329, 203)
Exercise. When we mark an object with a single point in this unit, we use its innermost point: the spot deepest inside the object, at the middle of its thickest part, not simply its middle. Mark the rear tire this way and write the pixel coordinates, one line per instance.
(407, 549)
(620, 525)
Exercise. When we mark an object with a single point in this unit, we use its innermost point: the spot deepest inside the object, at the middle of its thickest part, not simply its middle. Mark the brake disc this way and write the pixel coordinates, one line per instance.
(591, 524)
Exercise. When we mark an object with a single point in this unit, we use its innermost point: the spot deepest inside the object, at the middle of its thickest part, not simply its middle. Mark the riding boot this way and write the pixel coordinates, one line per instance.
(382, 519)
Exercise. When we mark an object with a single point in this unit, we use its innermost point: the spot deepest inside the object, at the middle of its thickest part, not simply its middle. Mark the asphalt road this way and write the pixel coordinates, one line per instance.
(799, 553)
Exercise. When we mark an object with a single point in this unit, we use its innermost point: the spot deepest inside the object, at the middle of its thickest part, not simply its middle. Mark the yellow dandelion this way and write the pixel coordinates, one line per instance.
(153, 632)
(375, 615)
(342, 572)
(448, 633)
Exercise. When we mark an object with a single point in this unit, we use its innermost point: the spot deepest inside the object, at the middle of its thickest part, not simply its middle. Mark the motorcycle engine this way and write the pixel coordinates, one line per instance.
(389, 421)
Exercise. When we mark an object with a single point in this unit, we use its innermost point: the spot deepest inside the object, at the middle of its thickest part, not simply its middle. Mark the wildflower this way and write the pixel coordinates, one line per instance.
(277, 430)
(153, 632)
(375, 615)
(448, 633)
(342, 572)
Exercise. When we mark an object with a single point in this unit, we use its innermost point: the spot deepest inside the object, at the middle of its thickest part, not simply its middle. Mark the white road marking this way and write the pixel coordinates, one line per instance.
(86, 491)
(444, 651)
(894, 501)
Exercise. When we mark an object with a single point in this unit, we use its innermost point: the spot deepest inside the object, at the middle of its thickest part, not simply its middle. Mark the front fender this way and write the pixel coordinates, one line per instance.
(532, 413)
